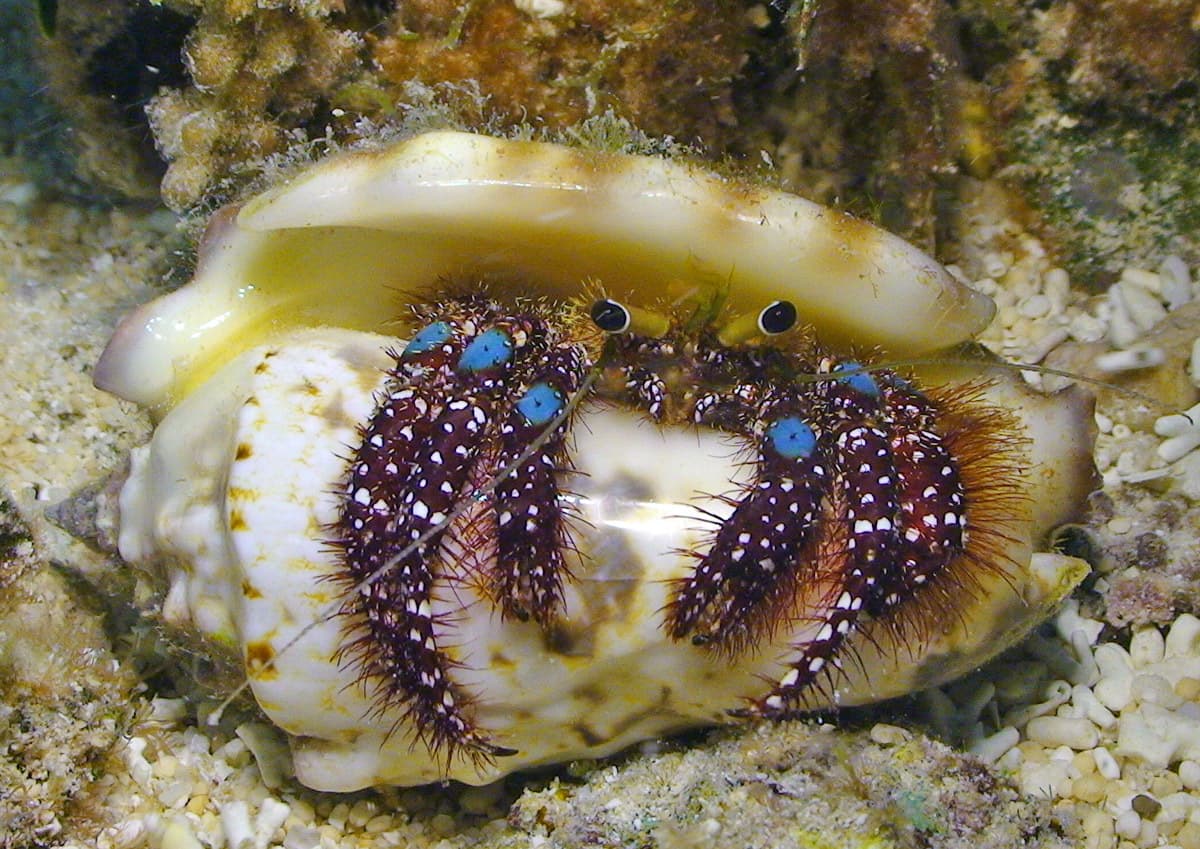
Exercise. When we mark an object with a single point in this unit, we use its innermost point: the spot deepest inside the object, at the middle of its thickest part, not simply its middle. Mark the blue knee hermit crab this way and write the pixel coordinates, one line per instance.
(543, 528)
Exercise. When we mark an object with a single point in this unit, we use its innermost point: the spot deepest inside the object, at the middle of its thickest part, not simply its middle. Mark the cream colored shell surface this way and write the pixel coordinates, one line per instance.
(349, 240)
(239, 486)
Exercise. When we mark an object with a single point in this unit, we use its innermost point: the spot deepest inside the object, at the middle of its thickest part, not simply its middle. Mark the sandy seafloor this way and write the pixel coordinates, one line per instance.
(1084, 738)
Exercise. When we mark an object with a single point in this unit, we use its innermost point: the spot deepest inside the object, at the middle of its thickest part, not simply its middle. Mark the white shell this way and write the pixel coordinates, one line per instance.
(236, 490)
(542, 218)
(263, 366)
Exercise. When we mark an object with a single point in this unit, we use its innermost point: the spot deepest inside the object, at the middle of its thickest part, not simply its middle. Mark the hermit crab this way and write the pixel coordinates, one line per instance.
(480, 454)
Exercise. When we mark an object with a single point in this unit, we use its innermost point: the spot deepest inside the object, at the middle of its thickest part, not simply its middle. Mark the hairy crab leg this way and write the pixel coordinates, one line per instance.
(730, 597)
(531, 532)
(933, 500)
(862, 460)
(396, 509)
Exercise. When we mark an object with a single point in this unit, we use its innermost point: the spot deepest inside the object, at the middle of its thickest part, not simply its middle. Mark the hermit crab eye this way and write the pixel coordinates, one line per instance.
(610, 316)
(777, 317)
(614, 317)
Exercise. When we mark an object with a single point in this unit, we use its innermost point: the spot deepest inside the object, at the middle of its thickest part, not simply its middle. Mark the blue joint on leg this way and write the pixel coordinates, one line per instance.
(540, 403)
(859, 381)
(487, 350)
(791, 438)
(428, 338)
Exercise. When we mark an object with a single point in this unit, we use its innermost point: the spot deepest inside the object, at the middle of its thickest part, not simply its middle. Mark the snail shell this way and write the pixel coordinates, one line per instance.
(264, 366)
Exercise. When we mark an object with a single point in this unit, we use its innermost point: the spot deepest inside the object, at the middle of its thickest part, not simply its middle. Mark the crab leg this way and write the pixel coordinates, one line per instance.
(730, 597)
(863, 465)
(401, 493)
(932, 495)
(531, 534)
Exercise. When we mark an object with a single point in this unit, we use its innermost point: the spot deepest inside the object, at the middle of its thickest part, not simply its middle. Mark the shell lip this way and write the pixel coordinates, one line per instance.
(335, 244)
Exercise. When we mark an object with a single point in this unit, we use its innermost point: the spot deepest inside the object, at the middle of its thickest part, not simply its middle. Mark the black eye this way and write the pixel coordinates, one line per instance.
(778, 317)
(610, 316)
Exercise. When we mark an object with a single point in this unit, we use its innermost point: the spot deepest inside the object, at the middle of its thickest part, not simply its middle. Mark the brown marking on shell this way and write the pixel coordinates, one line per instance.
(259, 657)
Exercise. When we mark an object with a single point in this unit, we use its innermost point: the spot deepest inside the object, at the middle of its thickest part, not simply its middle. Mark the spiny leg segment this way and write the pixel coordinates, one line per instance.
(857, 505)
(749, 569)
(531, 525)
(473, 389)
(889, 517)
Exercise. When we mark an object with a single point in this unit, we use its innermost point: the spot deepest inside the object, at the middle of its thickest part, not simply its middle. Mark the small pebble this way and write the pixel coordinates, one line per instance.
(1143, 279)
(1106, 763)
(1146, 647)
(1097, 828)
(1143, 306)
(1176, 807)
(1165, 784)
(1176, 282)
(337, 817)
(1128, 824)
(891, 735)
(1091, 707)
(1089, 788)
(1183, 639)
(1120, 525)
(378, 824)
(997, 746)
(1063, 731)
(1057, 285)
(271, 817)
(1189, 774)
(1146, 806)
(1035, 306)
(1139, 740)
(361, 813)
(443, 824)
(303, 837)
(1131, 359)
(995, 265)
(166, 766)
(1086, 328)
(167, 710)
(179, 835)
(235, 825)
(1188, 837)
(1154, 689)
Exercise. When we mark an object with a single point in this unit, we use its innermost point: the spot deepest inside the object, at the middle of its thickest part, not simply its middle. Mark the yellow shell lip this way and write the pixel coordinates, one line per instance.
(348, 241)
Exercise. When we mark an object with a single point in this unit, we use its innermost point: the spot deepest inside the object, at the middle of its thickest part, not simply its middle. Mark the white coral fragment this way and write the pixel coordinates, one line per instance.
(1182, 431)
